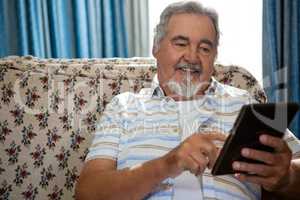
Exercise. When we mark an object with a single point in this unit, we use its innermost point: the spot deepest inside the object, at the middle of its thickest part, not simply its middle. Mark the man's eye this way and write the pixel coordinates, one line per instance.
(180, 44)
(205, 50)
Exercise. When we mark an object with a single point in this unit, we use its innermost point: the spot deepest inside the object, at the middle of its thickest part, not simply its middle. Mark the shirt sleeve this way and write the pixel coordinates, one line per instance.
(107, 135)
(293, 143)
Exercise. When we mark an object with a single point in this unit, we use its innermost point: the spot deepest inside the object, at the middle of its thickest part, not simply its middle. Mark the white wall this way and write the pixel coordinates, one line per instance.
(241, 31)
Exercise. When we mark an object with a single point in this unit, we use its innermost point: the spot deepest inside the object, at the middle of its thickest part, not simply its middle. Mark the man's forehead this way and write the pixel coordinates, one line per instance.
(183, 26)
(184, 17)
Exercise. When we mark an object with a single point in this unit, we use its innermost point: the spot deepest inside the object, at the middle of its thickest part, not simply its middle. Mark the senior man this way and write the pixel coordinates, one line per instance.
(162, 142)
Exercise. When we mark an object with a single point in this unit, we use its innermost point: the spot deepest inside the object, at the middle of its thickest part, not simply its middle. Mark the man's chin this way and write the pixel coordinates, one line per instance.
(182, 98)
(181, 91)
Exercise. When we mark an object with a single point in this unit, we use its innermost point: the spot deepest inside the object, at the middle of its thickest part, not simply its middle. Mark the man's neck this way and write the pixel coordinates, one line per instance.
(201, 92)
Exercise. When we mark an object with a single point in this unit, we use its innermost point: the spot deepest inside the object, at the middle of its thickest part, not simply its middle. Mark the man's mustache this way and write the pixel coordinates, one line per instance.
(189, 67)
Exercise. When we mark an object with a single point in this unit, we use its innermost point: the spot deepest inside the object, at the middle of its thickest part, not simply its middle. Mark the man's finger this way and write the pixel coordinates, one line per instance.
(202, 162)
(277, 143)
(201, 159)
(263, 156)
(212, 156)
(214, 136)
(253, 179)
(211, 148)
(191, 165)
(258, 169)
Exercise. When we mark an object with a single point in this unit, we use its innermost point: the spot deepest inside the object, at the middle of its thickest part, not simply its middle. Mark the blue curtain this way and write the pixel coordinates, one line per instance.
(281, 52)
(63, 28)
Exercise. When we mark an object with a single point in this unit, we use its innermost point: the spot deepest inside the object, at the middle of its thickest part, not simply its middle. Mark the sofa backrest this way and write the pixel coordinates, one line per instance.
(48, 113)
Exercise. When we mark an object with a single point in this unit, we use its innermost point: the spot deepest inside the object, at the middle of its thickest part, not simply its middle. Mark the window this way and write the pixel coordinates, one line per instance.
(241, 31)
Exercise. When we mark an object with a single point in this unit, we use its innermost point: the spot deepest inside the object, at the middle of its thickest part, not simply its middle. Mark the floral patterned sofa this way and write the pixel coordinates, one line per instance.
(48, 113)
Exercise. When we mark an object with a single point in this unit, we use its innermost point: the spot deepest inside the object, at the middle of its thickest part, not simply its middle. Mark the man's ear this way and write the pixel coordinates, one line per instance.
(216, 55)
(154, 51)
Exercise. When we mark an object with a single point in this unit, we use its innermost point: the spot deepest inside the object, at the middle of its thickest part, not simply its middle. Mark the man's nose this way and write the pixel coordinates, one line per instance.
(191, 55)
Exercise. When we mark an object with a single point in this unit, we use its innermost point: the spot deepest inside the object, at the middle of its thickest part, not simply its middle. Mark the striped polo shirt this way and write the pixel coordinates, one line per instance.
(138, 127)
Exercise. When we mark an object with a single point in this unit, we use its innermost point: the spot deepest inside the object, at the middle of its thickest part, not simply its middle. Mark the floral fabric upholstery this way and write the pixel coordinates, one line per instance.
(48, 113)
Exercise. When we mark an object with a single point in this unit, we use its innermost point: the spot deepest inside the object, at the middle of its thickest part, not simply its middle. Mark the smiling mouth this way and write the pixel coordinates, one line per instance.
(189, 70)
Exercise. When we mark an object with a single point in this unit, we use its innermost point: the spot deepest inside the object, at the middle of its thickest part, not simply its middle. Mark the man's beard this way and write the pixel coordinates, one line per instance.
(186, 88)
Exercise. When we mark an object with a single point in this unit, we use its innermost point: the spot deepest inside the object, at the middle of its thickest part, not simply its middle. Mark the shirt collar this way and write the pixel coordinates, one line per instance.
(157, 91)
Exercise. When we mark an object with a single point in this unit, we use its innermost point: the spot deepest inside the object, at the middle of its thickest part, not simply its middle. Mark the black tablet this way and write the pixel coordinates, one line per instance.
(253, 121)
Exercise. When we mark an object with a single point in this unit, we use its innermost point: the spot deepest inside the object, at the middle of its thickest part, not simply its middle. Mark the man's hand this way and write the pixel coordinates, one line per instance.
(194, 154)
(272, 175)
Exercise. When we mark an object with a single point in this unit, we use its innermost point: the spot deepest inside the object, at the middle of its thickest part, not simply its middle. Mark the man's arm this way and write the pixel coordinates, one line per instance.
(100, 179)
